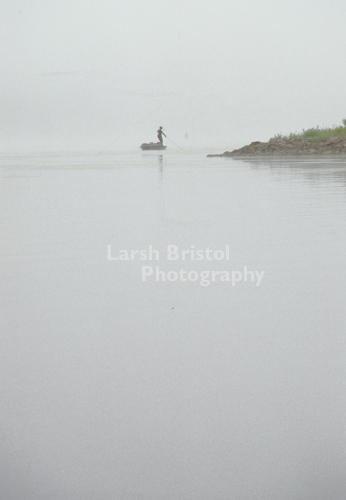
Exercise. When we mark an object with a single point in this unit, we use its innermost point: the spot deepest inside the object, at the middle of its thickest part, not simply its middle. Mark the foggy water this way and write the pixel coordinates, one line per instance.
(117, 388)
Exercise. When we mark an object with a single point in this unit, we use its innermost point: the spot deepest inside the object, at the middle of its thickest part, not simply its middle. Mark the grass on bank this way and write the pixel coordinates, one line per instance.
(316, 134)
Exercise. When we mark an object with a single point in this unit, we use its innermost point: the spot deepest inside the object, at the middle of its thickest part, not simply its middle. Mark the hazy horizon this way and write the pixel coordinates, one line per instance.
(107, 75)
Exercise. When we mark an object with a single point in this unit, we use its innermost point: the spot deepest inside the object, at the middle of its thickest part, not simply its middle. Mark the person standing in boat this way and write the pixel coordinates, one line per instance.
(160, 132)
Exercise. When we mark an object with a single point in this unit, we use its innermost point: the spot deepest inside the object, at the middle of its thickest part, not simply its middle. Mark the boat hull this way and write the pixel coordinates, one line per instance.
(152, 146)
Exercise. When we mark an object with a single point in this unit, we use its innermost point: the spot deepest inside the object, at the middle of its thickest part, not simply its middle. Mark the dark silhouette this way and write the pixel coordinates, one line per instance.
(160, 132)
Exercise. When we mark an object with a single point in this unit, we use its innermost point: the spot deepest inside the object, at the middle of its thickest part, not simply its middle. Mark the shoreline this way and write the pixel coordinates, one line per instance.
(289, 147)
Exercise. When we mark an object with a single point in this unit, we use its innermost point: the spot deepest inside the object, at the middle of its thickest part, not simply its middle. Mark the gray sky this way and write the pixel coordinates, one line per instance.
(80, 74)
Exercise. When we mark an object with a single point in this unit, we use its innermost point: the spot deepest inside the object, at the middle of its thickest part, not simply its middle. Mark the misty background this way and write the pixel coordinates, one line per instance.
(105, 75)
(112, 388)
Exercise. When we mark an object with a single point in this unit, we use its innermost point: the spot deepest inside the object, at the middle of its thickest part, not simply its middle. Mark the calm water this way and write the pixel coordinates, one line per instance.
(115, 387)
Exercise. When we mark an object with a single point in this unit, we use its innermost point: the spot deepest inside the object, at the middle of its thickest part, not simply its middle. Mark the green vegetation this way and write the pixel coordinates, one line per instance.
(316, 134)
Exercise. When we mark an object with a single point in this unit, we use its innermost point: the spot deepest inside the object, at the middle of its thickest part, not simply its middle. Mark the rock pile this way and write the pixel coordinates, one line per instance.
(280, 147)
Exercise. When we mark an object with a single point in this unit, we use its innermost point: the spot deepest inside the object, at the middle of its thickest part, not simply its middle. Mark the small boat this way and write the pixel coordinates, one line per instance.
(152, 145)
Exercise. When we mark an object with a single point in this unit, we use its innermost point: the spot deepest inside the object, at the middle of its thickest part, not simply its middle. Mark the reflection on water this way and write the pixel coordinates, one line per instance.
(313, 168)
(116, 387)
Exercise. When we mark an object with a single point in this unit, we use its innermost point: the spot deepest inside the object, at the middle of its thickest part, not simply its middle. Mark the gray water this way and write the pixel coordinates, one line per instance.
(118, 387)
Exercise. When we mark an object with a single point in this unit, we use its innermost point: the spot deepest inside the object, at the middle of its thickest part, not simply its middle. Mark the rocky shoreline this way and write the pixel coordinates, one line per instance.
(286, 147)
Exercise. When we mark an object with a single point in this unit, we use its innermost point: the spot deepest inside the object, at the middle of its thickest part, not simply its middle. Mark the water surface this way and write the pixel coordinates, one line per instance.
(114, 387)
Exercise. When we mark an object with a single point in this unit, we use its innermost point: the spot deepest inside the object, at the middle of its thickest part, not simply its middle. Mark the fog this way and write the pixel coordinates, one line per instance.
(105, 75)
(115, 388)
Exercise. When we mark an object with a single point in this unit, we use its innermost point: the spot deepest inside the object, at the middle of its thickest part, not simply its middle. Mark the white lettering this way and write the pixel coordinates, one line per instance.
(124, 255)
(172, 276)
(219, 255)
(224, 276)
(199, 255)
(159, 274)
(184, 253)
(151, 252)
(109, 253)
(236, 276)
(143, 255)
(133, 253)
(193, 276)
(181, 275)
(207, 254)
(259, 277)
(204, 278)
(172, 252)
(146, 271)
(246, 273)
(214, 274)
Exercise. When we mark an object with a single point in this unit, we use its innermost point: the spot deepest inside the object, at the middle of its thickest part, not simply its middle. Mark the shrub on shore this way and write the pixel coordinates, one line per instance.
(316, 134)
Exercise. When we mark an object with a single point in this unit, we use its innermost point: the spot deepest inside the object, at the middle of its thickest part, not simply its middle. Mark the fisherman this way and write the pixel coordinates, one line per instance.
(159, 135)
